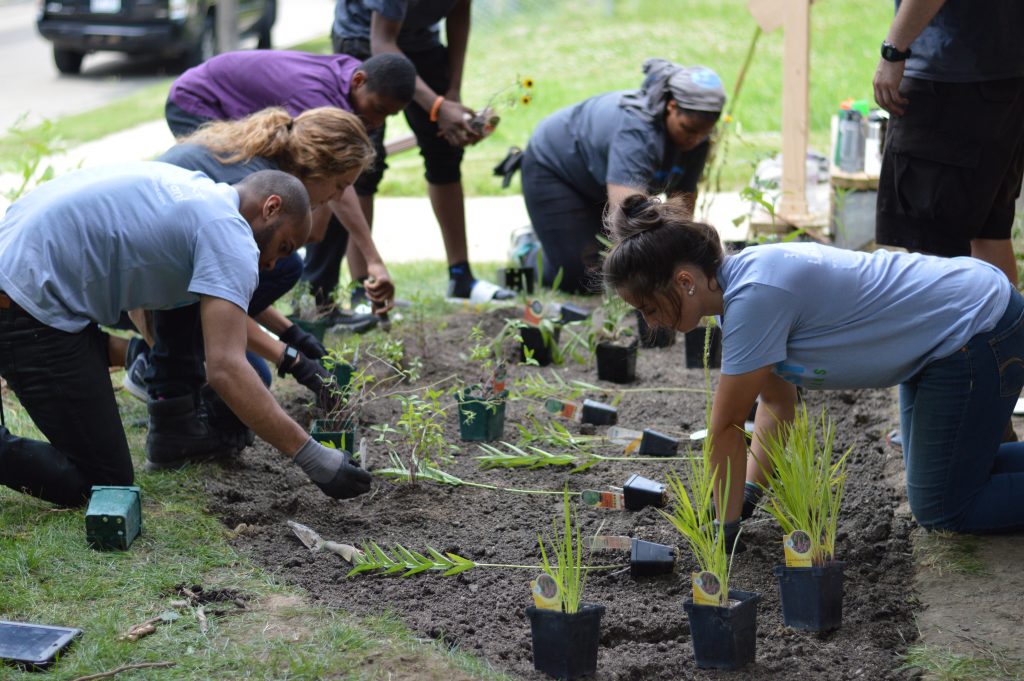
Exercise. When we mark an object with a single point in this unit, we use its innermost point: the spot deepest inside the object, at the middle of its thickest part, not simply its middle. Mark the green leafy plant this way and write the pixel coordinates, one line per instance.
(565, 564)
(418, 434)
(805, 485)
(428, 471)
(31, 164)
(534, 457)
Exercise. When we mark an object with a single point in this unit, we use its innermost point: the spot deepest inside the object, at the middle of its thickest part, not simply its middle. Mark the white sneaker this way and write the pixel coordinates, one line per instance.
(133, 378)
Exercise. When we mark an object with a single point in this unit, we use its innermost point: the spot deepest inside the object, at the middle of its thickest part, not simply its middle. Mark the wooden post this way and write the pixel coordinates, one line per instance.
(795, 104)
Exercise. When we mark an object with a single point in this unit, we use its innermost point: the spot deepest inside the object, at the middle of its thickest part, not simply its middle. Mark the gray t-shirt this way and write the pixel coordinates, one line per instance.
(86, 246)
(198, 157)
(597, 142)
(970, 41)
(828, 318)
(419, 20)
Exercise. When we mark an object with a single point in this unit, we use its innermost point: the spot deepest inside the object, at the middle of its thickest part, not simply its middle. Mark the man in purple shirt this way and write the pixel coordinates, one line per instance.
(235, 84)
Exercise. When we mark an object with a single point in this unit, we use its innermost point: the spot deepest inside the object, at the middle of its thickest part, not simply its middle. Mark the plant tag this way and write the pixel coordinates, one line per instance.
(613, 542)
(561, 408)
(545, 593)
(797, 547)
(534, 312)
(625, 436)
(603, 499)
(498, 379)
(707, 590)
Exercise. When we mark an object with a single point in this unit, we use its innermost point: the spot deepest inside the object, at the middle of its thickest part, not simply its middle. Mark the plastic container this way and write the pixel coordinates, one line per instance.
(572, 313)
(517, 278)
(649, 559)
(598, 413)
(318, 327)
(640, 492)
(325, 431)
(534, 339)
(812, 597)
(850, 141)
(724, 638)
(653, 443)
(695, 348)
(565, 646)
(481, 420)
(662, 337)
(617, 363)
(114, 517)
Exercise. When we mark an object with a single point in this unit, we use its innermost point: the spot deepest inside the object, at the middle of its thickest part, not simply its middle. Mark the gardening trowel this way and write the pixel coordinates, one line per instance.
(314, 542)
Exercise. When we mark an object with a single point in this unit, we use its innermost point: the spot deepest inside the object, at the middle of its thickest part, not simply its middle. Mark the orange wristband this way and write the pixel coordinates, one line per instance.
(435, 109)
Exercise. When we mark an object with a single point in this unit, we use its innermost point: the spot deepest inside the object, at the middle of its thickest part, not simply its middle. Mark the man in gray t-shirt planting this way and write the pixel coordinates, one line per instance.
(78, 251)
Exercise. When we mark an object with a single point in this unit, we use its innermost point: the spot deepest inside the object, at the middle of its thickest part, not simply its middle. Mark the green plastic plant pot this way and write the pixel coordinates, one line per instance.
(724, 638)
(326, 431)
(318, 327)
(565, 646)
(481, 420)
(342, 372)
(114, 517)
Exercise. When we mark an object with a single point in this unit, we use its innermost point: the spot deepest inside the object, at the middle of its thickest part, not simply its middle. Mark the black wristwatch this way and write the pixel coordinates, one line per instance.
(287, 360)
(890, 53)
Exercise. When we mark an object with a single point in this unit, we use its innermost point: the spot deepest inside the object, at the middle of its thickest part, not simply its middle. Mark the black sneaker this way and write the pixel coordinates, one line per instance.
(350, 322)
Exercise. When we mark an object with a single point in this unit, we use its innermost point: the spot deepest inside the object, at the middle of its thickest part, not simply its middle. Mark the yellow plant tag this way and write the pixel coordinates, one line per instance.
(707, 590)
(545, 593)
(797, 546)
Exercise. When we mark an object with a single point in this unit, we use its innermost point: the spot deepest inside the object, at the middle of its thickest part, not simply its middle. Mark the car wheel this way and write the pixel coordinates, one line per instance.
(68, 61)
(204, 48)
(267, 23)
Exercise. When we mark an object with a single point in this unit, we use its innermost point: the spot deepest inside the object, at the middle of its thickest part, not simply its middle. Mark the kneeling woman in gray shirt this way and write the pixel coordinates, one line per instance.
(596, 152)
(948, 331)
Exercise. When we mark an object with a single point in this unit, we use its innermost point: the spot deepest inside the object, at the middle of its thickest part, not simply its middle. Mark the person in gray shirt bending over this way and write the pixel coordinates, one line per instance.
(606, 147)
(80, 249)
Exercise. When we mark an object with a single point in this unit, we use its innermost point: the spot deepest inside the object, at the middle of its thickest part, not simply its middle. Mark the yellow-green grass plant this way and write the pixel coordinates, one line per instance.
(566, 548)
(804, 485)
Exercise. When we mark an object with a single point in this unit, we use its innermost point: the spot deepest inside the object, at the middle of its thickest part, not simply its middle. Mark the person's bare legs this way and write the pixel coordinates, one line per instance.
(998, 252)
(449, 207)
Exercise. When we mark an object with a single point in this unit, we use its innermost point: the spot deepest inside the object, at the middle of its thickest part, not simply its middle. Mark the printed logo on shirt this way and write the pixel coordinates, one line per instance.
(800, 375)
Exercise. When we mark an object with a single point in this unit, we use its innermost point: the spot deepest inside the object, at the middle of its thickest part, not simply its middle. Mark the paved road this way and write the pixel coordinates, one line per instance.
(32, 85)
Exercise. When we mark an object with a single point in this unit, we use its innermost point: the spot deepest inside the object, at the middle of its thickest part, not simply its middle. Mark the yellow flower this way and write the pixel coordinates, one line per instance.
(526, 99)
(728, 118)
(527, 83)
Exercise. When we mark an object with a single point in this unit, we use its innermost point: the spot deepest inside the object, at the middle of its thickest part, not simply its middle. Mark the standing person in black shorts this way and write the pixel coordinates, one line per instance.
(952, 76)
(363, 28)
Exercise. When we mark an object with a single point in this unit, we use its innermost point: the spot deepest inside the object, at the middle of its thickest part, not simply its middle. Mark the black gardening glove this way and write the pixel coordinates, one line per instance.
(334, 471)
(311, 374)
(752, 494)
(304, 342)
(732, 531)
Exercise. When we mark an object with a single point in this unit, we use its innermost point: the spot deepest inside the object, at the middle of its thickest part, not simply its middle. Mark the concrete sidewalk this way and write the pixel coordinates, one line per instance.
(404, 228)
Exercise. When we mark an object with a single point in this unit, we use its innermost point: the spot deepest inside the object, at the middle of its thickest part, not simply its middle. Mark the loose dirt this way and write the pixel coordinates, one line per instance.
(645, 634)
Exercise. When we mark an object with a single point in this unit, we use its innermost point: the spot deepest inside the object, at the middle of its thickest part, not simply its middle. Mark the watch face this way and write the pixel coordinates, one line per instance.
(890, 53)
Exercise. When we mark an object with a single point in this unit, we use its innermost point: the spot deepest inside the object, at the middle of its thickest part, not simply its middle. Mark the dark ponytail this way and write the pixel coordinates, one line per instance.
(651, 240)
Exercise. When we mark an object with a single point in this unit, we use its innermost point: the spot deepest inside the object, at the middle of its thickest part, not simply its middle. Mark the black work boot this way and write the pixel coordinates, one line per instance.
(220, 417)
(179, 433)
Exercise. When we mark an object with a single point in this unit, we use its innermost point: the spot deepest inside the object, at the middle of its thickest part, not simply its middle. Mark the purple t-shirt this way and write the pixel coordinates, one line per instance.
(235, 84)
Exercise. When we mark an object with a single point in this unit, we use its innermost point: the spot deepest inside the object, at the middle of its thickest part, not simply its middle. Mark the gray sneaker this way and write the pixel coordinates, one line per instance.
(133, 377)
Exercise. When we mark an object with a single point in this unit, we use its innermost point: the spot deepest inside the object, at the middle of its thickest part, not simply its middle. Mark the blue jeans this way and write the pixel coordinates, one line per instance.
(960, 475)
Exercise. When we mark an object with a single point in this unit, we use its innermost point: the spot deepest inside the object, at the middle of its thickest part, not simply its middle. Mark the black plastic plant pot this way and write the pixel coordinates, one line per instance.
(573, 313)
(518, 278)
(326, 431)
(533, 339)
(648, 559)
(617, 363)
(654, 443)
(318, 327)
(661, 337)
(724, 638)
(695, 348)
(565, 646)
(640, 492)
(481, 420)
(598, 413)
(812, 597)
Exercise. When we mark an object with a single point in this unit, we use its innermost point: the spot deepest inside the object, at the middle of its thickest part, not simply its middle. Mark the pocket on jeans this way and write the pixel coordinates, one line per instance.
(1008, 349)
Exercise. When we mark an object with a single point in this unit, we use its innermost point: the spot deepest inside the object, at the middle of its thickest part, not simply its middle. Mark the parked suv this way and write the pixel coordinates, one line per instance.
(183, 29)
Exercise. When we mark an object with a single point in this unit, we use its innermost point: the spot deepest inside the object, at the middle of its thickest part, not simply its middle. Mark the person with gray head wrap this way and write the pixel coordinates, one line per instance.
(592, 154)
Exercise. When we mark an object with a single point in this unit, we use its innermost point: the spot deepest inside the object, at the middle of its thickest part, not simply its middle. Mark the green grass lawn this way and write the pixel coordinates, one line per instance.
(576, 48)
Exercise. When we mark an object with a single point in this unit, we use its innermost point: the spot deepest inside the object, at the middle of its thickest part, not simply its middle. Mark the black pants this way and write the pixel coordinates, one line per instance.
(441, 160)
(63, 382)
(567, 224)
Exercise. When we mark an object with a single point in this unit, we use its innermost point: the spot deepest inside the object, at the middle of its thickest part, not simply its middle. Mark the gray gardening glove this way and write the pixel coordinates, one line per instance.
(333, 470)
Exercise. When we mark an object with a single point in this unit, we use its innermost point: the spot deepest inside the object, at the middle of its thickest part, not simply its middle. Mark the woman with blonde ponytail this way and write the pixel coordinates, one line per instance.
(326, 148)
